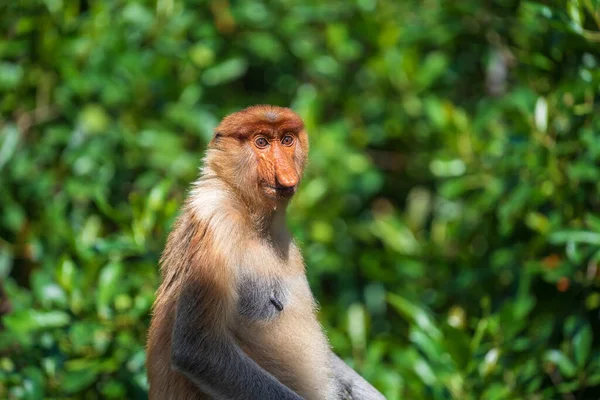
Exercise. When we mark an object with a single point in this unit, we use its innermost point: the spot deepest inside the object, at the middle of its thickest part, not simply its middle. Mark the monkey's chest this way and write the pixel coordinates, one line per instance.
(278, 329)
(262, 300)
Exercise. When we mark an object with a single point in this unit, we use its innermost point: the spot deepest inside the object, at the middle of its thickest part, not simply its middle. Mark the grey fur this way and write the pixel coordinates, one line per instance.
(260, 299)
(213, 361)
(352, 386)
(271, 115)
(210, 357)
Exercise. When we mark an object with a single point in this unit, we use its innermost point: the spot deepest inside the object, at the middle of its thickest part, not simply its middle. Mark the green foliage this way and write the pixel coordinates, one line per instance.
(450, 216)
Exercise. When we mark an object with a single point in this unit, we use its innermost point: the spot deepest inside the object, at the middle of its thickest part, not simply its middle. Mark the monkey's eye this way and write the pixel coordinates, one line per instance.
(261, 142)
(287, 140)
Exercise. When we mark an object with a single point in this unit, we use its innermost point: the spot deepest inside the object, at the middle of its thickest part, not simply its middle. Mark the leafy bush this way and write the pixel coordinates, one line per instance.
(450, 216)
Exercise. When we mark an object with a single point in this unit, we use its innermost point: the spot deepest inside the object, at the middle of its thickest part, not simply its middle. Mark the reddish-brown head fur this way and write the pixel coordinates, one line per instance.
(261, 151)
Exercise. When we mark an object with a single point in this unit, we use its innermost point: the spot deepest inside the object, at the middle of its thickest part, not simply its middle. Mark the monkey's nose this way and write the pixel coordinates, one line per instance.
(287, 185)
(285, 177)
(286, 182)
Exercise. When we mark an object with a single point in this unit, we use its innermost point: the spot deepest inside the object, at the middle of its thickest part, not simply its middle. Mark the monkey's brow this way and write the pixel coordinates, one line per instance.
(289, 128)
(265, 132)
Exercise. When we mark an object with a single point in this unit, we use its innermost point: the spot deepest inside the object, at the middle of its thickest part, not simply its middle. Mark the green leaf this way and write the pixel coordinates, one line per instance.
(26, 321)
(490, 361)
(108, 287)
(424, 371)
(575, 237)
(225, 72)
(558, 358)
(75, 381)
(9, 140)
(47, 291)
(593, 222)
(582, 344)
(433, 67)
(66, 273)
(456, 342)
(357, 326)
(594, 379)
(11, 75)
(33, 383)
(429, 347)
(415, 314)
(576, 13)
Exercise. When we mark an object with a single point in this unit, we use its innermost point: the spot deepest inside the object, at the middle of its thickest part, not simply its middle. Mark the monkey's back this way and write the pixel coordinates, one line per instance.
(166, 383)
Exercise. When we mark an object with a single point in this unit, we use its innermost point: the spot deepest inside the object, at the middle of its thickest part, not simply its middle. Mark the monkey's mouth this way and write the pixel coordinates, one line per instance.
(281, 191)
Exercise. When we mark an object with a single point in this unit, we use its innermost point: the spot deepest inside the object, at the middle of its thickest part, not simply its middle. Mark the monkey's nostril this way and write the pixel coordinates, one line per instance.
(287, 186)
(287, 189)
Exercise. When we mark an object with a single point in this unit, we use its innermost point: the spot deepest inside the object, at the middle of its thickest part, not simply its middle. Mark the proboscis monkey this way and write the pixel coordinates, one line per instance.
(234, 317)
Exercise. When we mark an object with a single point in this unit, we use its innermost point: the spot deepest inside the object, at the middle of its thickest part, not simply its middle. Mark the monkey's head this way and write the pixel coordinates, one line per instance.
(260, 151)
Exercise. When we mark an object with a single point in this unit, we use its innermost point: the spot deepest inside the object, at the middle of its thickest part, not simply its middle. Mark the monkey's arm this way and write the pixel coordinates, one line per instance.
(204, 351)
(352, 385)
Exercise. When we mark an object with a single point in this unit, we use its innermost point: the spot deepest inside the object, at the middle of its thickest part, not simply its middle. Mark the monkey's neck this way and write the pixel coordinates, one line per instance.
(269, 221)
(266, 218)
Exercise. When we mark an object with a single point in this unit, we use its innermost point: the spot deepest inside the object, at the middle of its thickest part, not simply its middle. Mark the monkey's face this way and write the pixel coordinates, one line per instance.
(277, 172)
(261, 151)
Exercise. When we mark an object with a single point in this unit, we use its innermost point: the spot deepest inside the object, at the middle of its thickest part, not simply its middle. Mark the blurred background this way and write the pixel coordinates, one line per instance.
(450, 214)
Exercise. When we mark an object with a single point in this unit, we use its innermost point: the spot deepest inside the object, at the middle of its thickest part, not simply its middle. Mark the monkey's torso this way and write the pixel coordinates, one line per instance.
(274, 320)
(278, 327)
